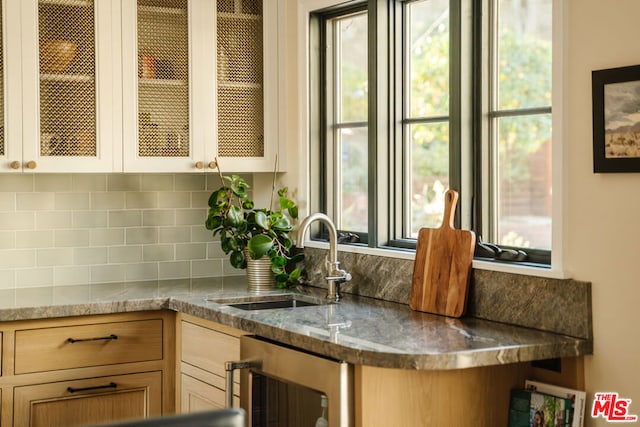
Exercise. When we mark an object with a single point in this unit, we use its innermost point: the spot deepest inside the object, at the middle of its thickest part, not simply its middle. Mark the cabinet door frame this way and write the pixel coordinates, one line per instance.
(274, 84)
(12, 86)
(107, 54)
(198, 12)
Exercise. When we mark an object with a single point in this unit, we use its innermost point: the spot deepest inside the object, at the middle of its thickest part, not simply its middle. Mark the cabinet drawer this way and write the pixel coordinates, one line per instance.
(89, 401)
(65, 347)
(208, 349)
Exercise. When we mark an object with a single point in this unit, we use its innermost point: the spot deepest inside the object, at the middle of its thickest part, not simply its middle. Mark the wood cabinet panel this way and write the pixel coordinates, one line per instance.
(198, 396)
(48, 349)
(82, 402)
(208, 349)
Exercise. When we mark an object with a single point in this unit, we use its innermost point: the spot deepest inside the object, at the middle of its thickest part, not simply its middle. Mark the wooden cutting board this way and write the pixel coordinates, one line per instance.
(442, 268)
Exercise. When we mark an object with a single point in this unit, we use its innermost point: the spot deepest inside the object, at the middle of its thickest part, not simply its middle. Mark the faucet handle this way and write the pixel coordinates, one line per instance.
(335, 273)
(339, 275)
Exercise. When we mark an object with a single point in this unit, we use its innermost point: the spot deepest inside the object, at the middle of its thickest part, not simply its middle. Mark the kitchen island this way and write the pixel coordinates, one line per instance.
(385, 341)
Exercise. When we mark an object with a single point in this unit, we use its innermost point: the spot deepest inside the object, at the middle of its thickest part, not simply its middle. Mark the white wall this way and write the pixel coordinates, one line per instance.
(604, 209)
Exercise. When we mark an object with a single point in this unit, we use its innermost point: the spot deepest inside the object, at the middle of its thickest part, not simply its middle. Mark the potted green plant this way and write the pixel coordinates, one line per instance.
(255, 232)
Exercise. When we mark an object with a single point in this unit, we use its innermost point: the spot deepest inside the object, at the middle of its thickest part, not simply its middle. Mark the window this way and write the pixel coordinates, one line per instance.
(345, 128)
(519, 125)
(467, 100)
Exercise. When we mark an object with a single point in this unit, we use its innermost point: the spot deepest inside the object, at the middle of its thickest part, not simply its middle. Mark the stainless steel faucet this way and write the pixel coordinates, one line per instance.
(335, 275)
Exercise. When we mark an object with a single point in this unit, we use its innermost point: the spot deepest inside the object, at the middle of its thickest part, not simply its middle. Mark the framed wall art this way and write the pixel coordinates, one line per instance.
(616, 119)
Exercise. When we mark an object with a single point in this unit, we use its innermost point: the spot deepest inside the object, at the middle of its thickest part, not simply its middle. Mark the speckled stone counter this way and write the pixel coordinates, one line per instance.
(358, 330)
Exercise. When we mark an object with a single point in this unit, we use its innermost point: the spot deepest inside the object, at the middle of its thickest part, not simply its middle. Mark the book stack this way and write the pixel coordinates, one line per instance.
(546, 405)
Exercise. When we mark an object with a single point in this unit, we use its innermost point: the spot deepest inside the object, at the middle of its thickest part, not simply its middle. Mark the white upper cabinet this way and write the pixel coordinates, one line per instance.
(69, 87)
(200, 82)
(140, 85)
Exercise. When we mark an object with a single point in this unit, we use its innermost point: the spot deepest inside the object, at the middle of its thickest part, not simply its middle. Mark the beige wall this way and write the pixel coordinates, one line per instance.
(604, 209)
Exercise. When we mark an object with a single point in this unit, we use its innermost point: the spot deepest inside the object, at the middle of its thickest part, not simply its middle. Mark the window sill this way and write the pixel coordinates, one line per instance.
(480, 264)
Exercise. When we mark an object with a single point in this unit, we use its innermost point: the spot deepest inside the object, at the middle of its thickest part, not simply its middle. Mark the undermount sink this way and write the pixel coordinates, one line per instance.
(266, 302)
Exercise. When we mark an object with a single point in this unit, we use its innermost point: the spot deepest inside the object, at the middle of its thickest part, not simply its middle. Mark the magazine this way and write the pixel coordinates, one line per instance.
(529, 408)
(578, 398)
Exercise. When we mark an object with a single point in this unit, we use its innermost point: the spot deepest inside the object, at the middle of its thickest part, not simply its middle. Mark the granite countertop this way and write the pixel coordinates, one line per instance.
(358, 330)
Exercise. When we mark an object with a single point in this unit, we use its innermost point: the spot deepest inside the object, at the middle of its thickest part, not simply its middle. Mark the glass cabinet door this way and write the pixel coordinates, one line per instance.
(69, 56)
(240, 78)
(66, 37)
(163, 78)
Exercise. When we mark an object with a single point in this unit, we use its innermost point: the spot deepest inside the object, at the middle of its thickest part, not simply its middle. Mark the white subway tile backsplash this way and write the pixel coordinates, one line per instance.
(89, 256)
(17, 220)
(229, 270)
(142, 271)
(7, 279)
(123, 182)
(35, 201)
(106, 236)
(53, 182)
(142, 235)
(71, 275)
(130, 218)
(71, 201)
(190, 182)
(17, 258)
(33, 239)
(141, 200)
(107, 273)
(174, 200)
(73, 229)
(158, 217)
(174, 234)
(158, 253)
(157, 182)
(34, 277)
(34, 297)
(53, 220)
(206, 268)
(200, 199)
(174, 270)
(214, 250)
(90, 219)
(54, 257)
(191, 251)
(8, 202)
(7, 240)
(15, 183)
(71, 238)
(191, 216)
(125, 254)
(200, 234)
(107, 200)
(88, 182)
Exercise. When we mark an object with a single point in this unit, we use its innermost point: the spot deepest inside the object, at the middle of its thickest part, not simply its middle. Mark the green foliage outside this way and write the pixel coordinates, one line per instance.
(524, 81)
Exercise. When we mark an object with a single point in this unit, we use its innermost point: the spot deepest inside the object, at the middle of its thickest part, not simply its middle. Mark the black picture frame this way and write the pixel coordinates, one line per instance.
(616, 119)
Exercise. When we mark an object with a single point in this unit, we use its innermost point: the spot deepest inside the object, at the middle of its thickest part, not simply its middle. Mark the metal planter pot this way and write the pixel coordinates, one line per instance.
(260, 278)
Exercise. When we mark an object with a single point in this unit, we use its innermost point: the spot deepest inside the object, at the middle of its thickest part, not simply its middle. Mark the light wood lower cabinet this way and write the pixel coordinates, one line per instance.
(89, 401)
(88, 369)
(453, 398)
(202, 348)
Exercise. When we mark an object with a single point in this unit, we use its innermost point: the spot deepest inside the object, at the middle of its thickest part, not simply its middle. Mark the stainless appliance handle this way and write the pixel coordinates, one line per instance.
(229, 368)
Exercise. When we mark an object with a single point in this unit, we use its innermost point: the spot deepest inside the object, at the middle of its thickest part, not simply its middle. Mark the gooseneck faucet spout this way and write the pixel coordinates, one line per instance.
(335, 275)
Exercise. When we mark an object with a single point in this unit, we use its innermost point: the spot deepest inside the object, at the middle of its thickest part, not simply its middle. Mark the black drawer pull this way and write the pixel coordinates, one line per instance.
(98, 387)
(110, 337)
